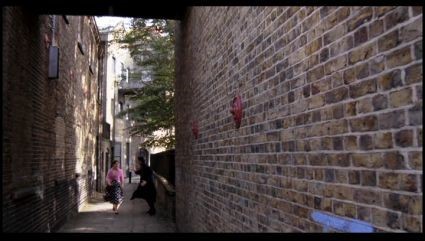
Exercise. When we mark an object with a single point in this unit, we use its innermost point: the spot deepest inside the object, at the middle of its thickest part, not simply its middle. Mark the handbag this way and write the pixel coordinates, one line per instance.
(107, 196)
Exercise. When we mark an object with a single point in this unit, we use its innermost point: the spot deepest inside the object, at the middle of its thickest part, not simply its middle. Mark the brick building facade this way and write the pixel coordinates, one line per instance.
(332, 120)
(50, 125)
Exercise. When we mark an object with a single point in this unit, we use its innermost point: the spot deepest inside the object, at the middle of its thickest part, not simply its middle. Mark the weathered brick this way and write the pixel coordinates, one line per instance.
(401, 97)
(366, 160)
(376, 28)
(361, 53)
(320, 86)
(409, 182)
(367, 196)
(412, 31)
(306, 91)
(418, 50)
(380, 11)
(313, 61)
(337, 79)
(411, 223)
(379, 102)
(338, 127)
(411, 204)
(368, 178)
(349, 75)
(351, 108)
(394, 160)
(329, 175)
(399, 15)
(342, 160)
(319, 174)
(324, 55)
(389, 41)
(415, 160)
(337, 143)
(338, 133)
(336, 95)
(317, 160)
(367, 123)
(341, 176)
(399, 57)
(394, 119)
(354, 177)
(377, 64)
(366, 142)
(362, 71)
(335, 64)
(364, 213)
(362, 88)
(316, 101)
(338, 208)
(315, 74)
(341, 46)
(404, 138)
(389, 180)
(350, 143)
(383, 140)
(417, 10)
(338, 111)
(365, 105)
(364, 15)
(334, 34)
(414, 74)
(313, 46)
(327, 143)
(418, 90)
(386, 218)
(390, 80)
(360, 36)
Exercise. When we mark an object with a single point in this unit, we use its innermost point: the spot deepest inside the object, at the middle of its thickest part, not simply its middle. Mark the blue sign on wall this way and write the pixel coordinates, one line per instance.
(341, 224)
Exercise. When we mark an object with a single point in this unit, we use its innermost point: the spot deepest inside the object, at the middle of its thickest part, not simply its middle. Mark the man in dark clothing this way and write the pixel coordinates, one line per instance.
(146, 189)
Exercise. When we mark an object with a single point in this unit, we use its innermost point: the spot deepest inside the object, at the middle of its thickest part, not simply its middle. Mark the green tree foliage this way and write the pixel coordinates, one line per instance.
(151, 46)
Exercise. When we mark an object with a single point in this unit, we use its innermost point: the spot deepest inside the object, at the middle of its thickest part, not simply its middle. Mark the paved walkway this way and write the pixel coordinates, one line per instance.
(97, 216)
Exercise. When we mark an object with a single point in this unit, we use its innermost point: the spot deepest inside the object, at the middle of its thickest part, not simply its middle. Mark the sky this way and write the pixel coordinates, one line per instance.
(103, 22)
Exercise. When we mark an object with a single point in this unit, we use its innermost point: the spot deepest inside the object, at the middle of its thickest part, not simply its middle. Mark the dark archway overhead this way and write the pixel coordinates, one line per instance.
(122, 8)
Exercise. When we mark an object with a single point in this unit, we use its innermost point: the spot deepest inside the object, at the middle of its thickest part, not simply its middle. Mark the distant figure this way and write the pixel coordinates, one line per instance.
(115, 185)
(146, 189)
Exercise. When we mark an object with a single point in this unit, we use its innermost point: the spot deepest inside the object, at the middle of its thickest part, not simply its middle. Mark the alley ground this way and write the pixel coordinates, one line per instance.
(97, 216)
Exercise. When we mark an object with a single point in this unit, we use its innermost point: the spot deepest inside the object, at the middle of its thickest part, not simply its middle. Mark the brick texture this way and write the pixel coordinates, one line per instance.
(49, 125)
(332, 118)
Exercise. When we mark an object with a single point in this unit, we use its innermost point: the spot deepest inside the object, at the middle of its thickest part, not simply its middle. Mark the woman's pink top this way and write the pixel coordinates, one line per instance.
(117, 175)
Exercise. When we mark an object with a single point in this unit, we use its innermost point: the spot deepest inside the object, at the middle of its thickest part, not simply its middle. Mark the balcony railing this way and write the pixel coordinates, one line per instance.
(131, 84)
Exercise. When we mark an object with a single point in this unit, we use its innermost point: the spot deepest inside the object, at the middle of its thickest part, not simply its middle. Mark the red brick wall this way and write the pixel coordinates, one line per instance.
(49, 125)
(332, 118)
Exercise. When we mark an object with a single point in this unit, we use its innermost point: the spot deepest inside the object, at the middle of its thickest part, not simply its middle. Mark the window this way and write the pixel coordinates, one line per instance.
(122, 72)
(113, 65)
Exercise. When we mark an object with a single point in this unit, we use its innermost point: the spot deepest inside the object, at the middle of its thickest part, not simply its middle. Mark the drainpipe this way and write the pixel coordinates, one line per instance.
(53, 54)
(53, 30)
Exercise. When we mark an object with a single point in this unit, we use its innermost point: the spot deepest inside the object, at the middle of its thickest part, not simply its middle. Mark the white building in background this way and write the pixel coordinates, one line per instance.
(122, 78)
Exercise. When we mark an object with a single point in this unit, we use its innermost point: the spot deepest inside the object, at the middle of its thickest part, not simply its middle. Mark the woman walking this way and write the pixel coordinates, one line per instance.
(115, 182)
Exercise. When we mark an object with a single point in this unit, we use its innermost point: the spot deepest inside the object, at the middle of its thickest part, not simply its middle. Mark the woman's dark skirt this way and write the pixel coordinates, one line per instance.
(114, 193)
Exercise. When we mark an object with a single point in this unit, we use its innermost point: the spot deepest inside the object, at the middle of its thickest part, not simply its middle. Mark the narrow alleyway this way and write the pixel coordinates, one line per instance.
(97, 216)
